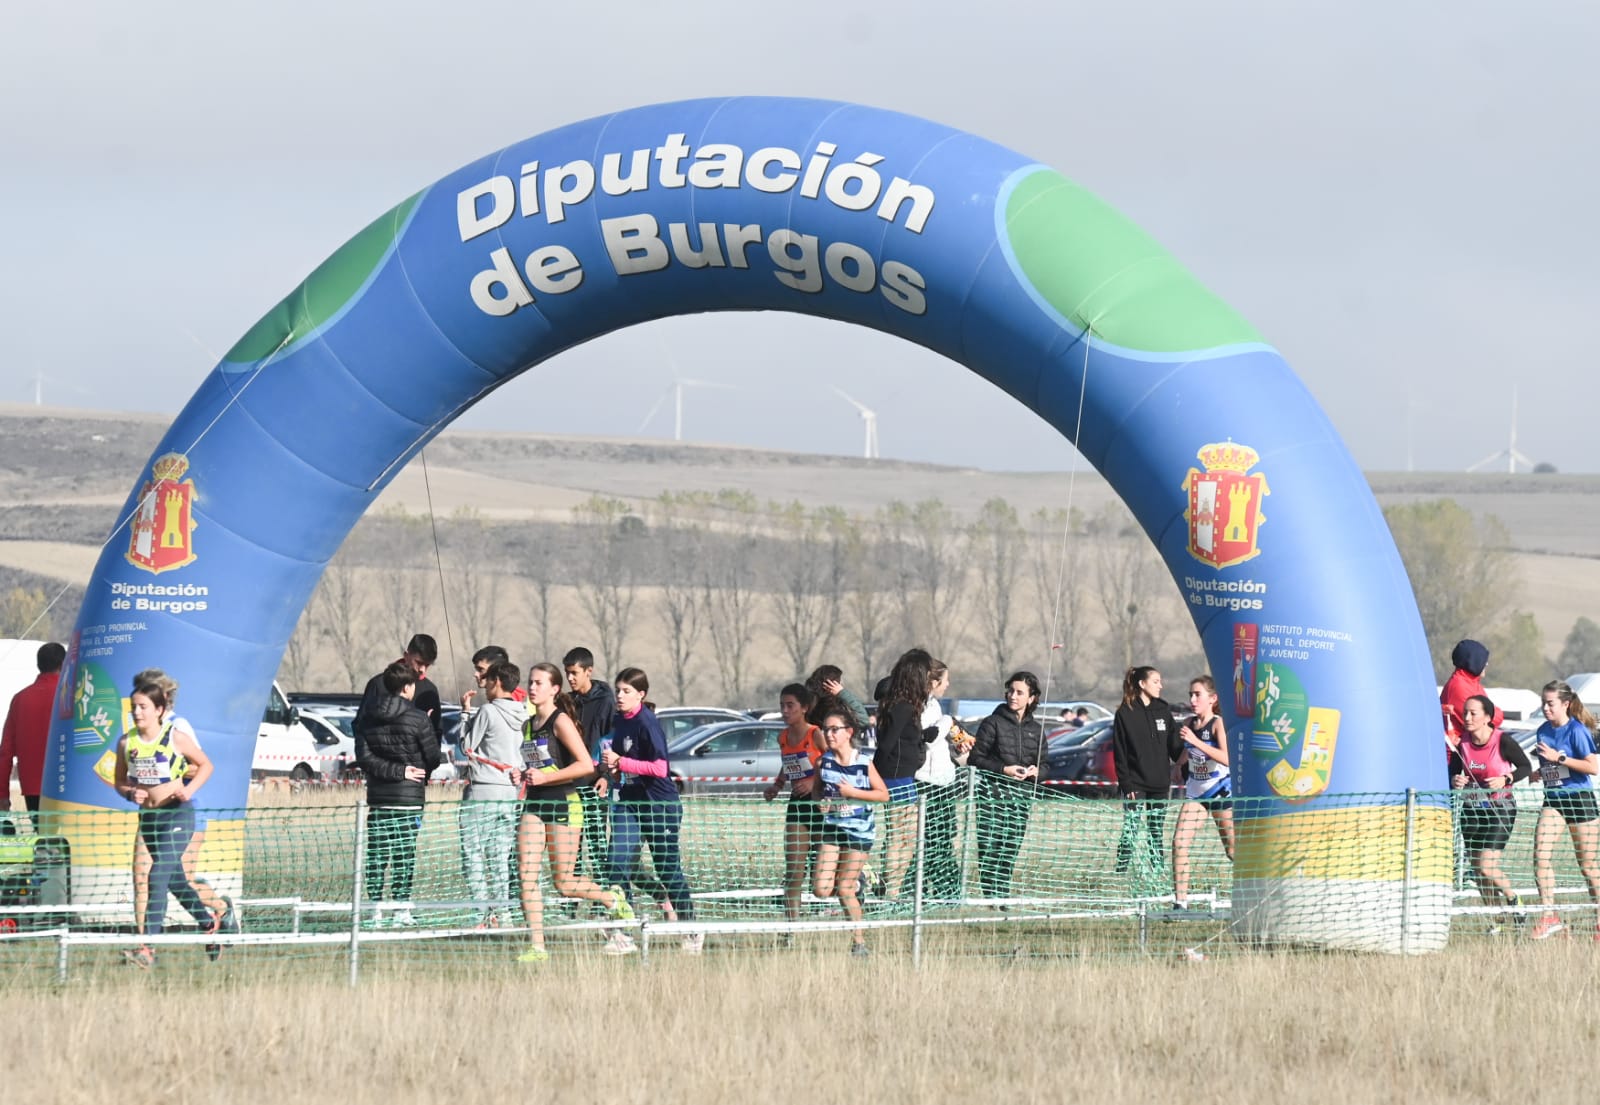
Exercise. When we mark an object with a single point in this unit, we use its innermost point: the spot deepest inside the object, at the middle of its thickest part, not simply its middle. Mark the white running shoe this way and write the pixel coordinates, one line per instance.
(694, 943)
(619, 943)
(403, 919)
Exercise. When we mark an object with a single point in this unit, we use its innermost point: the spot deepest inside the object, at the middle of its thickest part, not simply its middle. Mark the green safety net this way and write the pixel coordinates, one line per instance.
(313, 880)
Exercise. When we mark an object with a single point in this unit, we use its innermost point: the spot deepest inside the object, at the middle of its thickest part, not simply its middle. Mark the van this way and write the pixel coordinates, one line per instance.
(284, 746)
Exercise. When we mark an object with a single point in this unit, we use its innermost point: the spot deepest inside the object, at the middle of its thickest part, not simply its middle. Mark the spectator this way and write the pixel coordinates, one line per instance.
(647, 810)
(397, 749)
(597, 716)
(491, 740)
(1567, 765)
(902, 748)
(1144, 743)
(826, 683)
(1008, 751)
(848, 784)
(151, 762)
(482, 660)
(1079, 718)
(27, 729)
(1484, 765)
(800, 745)
(1471, 659)
(419, 656)
(941, 797)
(1208, 788)
(554, 761)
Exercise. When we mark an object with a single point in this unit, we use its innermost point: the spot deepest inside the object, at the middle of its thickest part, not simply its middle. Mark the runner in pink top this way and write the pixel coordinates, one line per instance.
(1483, 766)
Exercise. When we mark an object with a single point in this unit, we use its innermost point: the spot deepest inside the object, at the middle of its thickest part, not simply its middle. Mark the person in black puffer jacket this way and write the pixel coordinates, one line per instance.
(397, 750)
(1009, 753)
(1144, 744)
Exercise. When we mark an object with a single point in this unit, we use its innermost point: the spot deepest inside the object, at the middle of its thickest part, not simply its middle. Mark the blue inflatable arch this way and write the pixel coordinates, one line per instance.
(855, 214)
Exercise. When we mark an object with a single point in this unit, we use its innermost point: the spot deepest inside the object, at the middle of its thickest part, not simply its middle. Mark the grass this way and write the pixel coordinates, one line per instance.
(814, 1026)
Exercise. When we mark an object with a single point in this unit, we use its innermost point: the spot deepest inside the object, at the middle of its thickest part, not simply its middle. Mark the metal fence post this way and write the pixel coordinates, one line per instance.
(916, 893)
(969, 845)
(1405, 885)
(358, 879)
(61, 956)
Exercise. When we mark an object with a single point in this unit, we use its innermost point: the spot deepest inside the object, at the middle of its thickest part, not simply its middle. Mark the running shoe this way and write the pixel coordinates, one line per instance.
(141, 957)
(214, 951)
(1548, 926)
(230, 916)
(620, 909)
(860, 951)
(534, 955)
(403, 919)
(619, 943)
(694, 943)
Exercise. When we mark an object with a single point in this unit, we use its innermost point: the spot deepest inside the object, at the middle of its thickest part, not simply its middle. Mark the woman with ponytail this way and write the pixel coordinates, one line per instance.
(1144, 743)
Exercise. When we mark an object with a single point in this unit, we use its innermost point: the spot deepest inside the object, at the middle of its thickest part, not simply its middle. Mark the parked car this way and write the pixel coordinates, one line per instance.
(678, 720)
(743, 754)
(1079, 758)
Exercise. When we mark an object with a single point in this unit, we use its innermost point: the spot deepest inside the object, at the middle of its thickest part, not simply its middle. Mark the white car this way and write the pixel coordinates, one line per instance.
(285, 747)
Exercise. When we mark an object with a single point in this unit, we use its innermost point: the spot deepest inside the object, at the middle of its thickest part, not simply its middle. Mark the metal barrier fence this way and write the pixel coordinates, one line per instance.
(976, 869)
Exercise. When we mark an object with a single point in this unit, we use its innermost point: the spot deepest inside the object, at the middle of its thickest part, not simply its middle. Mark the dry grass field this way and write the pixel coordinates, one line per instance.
(1498, 1025)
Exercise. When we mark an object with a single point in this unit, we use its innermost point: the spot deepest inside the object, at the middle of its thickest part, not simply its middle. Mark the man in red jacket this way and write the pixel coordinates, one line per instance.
(27, 728)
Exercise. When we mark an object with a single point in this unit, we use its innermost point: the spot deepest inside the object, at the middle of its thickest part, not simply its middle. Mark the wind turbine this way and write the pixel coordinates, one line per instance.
(1510, 453)
(675, 390)
(870, 417)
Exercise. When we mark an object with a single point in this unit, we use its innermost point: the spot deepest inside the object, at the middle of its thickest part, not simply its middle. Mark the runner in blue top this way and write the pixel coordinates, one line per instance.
(848, 783)
(1567, 761)
(1208, 788)
(647, 810)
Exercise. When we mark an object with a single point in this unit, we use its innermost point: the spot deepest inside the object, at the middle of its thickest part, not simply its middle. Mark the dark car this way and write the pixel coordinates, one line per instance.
(1078, 761)
(735, 757)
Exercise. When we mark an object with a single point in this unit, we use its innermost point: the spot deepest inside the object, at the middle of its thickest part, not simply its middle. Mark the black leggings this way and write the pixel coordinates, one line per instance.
(166, 833)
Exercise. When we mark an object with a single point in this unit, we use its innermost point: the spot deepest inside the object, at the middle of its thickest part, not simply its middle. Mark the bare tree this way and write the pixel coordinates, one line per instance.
(728, 594)
(810, 566)
(1055, 574)
(471, 576)
(609, 584)
(342, 616)
(999, 547)
(679, 602)
(296, 662)
(1128, 575)
(940, 555)
(539, 573)
(868, 602)
(405, 602)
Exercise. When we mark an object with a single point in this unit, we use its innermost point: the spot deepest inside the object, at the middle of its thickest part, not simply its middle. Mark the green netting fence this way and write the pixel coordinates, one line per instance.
(314, 878)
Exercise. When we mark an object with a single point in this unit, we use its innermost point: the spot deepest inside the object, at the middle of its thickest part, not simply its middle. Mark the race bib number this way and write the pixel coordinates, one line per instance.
(1200, 768)
(1553, 774)
(796, 766)
(535, 753)
(145, 770)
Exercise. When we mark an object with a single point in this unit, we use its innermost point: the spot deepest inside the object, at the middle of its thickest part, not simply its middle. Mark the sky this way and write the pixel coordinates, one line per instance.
(1399, 196)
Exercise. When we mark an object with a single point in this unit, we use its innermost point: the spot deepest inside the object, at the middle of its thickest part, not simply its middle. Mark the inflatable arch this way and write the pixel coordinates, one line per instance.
(864, 216)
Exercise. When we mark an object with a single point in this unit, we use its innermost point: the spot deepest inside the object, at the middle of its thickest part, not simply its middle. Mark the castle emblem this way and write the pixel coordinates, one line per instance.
(1224, 508)
(163, 523)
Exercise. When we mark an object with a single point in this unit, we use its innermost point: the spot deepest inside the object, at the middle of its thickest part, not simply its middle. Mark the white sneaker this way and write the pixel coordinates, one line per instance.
(403, 919)
(694, 943)
(619, 943)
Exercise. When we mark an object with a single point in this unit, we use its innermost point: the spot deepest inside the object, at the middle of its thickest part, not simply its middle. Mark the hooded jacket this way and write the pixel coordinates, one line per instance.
(493, 732)
(397, 736)
(1144, 743)
(1469, 658)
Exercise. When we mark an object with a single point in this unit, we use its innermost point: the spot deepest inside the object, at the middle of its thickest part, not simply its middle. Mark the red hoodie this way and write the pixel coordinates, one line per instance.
(27, 731)
(1461, 686)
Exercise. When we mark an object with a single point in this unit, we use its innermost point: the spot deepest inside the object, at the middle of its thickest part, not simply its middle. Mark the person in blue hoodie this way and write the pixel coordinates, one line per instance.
(647, 809)
(492, 743)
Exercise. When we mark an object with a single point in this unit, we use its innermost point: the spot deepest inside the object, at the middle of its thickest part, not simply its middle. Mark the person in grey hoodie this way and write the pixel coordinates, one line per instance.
(492, 743)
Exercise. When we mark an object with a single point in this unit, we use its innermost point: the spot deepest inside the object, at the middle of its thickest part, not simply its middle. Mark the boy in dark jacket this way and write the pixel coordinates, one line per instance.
(397, 750)
(1009, 753)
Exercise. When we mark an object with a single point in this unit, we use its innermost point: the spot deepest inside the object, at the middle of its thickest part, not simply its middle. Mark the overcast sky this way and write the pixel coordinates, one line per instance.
(1400, 196)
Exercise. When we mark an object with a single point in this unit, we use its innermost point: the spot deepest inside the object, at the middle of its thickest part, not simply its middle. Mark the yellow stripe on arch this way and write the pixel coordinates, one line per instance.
(1352, 842)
